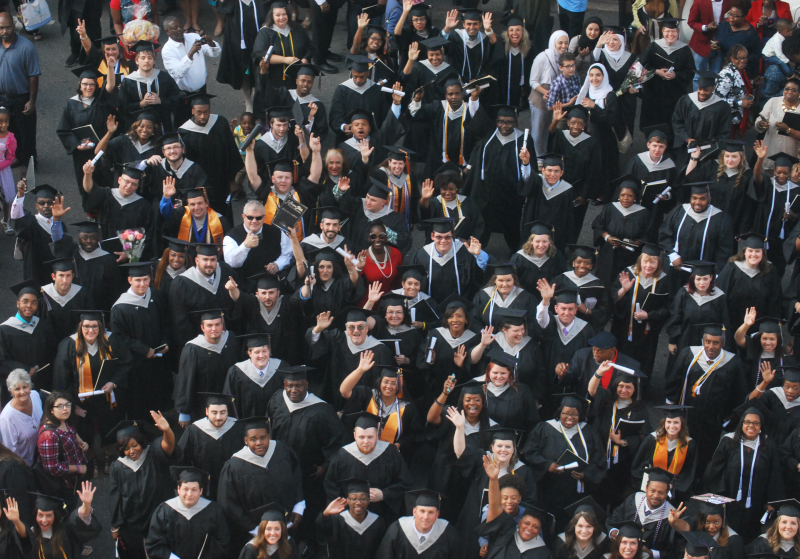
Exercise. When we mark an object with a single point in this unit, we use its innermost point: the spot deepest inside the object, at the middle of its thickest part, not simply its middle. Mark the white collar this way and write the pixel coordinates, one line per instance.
(194, 275)
(662, 165)
(369, 343)
(358, 527)
(175, 273)
(141, 148)
(442, 259)
(309, 400)
(627, 211)
(742, 265)
(366, 459)
(588, 278)
(444, 333)
(710, 211)
(200, 341)
(252, 373)
(530, 544)
(134, 465)
(703, 299)
(206, 427)
(413, 536)
(714, 99)
(62, 300)
(372, 216)
(261, 461)
(191, 126)
(302, 100)
(451, 205)
(285, 31)
(124, 200)
(22, 326)
(360, 89)
(187, 513)
(137, 77)
(276, 145)
(575, 141)
(180, 171)
(131, 298)
(538, 261)
(318, 242)
(655, 515)
(96, 253)
(270, 316)
(498, 300)
(669, 49)
(551, 192)
(471, 43)
(435, 69)
(721, 360)
(453, 114)
(506, 139)
(779, 392)
(503, 343)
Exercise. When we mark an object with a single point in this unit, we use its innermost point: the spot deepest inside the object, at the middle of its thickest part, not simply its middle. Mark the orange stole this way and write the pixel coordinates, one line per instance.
(84, 369)
(103, 69)
(271, 208)
(661, 454)
(214, 229)
(389, 432)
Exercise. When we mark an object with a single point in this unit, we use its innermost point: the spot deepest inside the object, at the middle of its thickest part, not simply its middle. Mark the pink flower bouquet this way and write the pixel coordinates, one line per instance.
(132, 243)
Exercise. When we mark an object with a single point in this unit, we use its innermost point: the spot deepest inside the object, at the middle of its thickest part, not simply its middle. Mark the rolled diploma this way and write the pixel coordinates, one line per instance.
(353, 261)
(97, 157)
(623, 369)
(393, 91)
(269, 51)
(525, 139)
(84, 395)
(430, 347)
(571, 466)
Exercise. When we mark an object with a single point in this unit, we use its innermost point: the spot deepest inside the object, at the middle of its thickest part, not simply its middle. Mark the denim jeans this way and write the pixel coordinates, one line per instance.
(775, 61)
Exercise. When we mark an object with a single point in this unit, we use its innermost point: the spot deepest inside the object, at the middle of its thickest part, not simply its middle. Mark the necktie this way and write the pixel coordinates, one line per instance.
(648, 513)
(260, 373)
(565, 331)
(710, 361)
(422, 539)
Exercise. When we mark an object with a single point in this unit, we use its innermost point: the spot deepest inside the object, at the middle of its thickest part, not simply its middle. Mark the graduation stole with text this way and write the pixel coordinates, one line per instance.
(214, 232)
(84, 368)
(661, 456)
(393, 426)
(271, 208)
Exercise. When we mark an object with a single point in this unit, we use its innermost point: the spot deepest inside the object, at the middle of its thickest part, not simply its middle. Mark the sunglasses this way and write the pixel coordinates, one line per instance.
(254, 217)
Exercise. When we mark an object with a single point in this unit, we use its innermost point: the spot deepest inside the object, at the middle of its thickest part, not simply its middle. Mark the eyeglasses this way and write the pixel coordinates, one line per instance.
(63, 406)
(254, 217)
(566, 414)
(752, 423)
(358, 499)
(568, 66)
(95, 327)
(791, 89)
(44, 203)
(353, 327)
(91, 84)
(373, 236)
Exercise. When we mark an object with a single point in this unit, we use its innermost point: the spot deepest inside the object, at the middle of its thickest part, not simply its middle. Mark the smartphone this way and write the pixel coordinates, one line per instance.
(751, 97)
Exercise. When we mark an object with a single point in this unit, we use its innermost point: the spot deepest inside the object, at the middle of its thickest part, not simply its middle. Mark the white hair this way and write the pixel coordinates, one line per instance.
(18, 377)
(253, 204)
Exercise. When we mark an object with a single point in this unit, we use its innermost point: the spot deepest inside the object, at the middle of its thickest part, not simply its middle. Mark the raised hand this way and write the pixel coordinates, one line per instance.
(545, 289)
(88, 168)
(323, 321)
(558, 111)
(750, 316)
(312, 110)
(80, 29)
(561, 369)
(407, 5)
(487, 21)
(86, 493)
(474, 246)
(366, 151)
(22, 187)
(374, 295)
(524, 156)
(344, 184)
(160, 421)
(451, 20)
(230, 285)
(486, 336)
(363, 21)
(460, 356)
(492, 470)
(767, 374)
(760, 148)
(335, 507)
(427, 189)
(413, 51)
(625, 281)
(396, 98)
(366, 361)
(169, 187)
(456, 417)
(676, 513)
(58, 208)
(315, 143)
(298, 131)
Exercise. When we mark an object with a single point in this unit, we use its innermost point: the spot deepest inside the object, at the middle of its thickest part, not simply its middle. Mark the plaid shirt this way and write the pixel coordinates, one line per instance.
(47, 444)
(563, 89)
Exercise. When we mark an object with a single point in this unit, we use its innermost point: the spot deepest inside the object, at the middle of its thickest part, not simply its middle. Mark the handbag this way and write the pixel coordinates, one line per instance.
(625, 142)
(35, 14)
(46, 483)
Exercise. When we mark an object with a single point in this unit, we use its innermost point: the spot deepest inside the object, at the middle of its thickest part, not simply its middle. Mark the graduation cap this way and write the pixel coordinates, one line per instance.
(472, 386)
(272, 512)
(144, 46)
(255, 340)
(198, 98)
(138, 269)
(325, 254)
(194, 192)
(628, 181)
(711, 328)
(398, 153)
(770, 325)
(552, 160)
(353, 485)
(782, 159)
(45, 191)
(512, 20)
(505, 110)
(420, 9)
(86, 226)
(87, 72)
(651, 249)
(753, 240)
(209, 314)
(296, 372)
(91, 315)
(713, 504)
(510, 317)
(294, 70)
(706, 78)
(330, 212)
(217, 398)
(659, 475)
(266, 280)
(146, 114)
(698, 544)
(416, 271)
(733, 145)
(790, 374)
(586, 505)
(471, 14)
(455, 301)
(449, 80)
(669, 22)
(378, 189)
(426, 498)
(131, 170)
(62, 264)
(255, 422)
(571, 400)
(350, 314)
(604, 340)
(170, 138)
(449, 168)
(578, 112)
(279, 111)
(441, 224)
(393, 300)
(504, 269)
(124, 428)
(787, 507)
(567, 296)
(434, 43)
(177, 245)
(206, 249)
(702, 267)
(673, 411)
(699, 187)
(617, 30)
(361, 114)
(189, 474)
(539, 227)
(582, 251)
(499, 357)
(498, 433)
(48, 503)
(359, 62)
(372, 11)
(628, 528)
(109, 40)
(753, 406)
(366, 420)
(27, 287)
(659, 131)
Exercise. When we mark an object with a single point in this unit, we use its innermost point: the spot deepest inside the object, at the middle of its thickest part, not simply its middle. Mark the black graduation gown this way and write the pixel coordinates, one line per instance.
(712, 122)
(659, 96)
(26, 347)
(753, 356)
(582, 367)
(76, 115)
(559, 348)
(142, 328)
(443, 365)
(442, 278)
(114, 216)
(340, 294)
(358, 225)
(561, 551)
(341, 360)
(530, 371)
(132, 91)
(296, 43)
(643, 335)
(249, 551)
(274, 92)
(514, 408)
(409, 35)
(122, 149)
(347, 97)
(760, 545)
(171, 532)
(188, 175)
(513, 76)
(203, 369)
(783, 418)
(743, 291)
(34, 241)
(203, 447)
(602, 121)
(187, 295)
(722, 391)
(689, 310)
(251, 397)
(135, 494)
(496, 183)
(171, 227)
(213, 148)
(265, 154)
(617, 71)
(630, 224)
(501, 533)
(386, 471)
(545, 445)
(644, 460)
(657, 534)
(589, 286)
(483, 311)
(75, 534)
(116, 369)
(583, 157)
(790, 459)
(343, 541)
(723, 478)
(389, 133)
(98, 274)
(641, 167)
(246, 483)
(61, 317)
(530, 272)
(725, 194)
(241, 26)
(10, 544)
(468, 217)
(618, 458)
(423, 74)
(470, 62)
(18, 479)
(397, 545)
(554, 207)
(769, 217)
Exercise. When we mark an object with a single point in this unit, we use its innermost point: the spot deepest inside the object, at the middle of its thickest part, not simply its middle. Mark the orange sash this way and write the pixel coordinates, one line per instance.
(84, 368)
(389, 432)
(214, 231)
(271, 208)
(661, 454)
(103, 69)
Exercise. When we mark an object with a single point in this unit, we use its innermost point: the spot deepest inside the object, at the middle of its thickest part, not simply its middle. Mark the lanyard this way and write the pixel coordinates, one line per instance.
(458, 209)
(772, 207)
(611, 448)
(243, 45)
(445, 157)
(394, 201)
(633, 307)
(283, 50)
(201, 235)
(466, 63)
(702, 379)
(575, 452)
(483, 154)
(521, 77)
(741, 473)
(705, 231)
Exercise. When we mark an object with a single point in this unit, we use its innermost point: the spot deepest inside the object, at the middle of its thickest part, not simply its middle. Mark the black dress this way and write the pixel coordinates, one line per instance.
(661, 175)
(450, 273)
(583, 166)
(691, 309)
(185, 533)
(551, 205)
(241, 28)
(617, 70)
(601, 124)
(696, 120)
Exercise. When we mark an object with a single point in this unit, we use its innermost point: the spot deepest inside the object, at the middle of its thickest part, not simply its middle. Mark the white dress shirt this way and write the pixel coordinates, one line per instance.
(236, 254)
(189, 74)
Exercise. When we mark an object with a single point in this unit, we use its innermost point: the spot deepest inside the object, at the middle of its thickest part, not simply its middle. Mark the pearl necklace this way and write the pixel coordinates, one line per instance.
(783, 107)
(382, 265)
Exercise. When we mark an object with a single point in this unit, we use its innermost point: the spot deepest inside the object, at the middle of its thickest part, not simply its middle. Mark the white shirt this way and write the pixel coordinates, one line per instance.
(716, 6)
(236, 254)
(543, 319)
(774, 47)
(190, 75)
(17, 208)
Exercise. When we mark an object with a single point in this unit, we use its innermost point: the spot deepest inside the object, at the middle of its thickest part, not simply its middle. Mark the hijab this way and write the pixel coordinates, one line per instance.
(584, 41)
(596, 94)
(551, 52)
(616, 54)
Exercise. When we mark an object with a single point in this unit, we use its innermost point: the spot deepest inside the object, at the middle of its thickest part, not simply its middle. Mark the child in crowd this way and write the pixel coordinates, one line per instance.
(773, 50)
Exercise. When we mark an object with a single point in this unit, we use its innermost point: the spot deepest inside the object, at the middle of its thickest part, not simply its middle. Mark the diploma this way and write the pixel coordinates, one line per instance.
(413, 314)
(638, 308)
(353, 261)
(623, 369)
(525, 139)
(84, 395)
(430, 350)
(393, 91)
(663, 193)
(565, 467)
(97, 158)
(269, 51)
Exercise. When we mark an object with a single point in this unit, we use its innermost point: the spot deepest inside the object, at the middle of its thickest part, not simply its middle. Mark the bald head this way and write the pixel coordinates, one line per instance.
(7, 31)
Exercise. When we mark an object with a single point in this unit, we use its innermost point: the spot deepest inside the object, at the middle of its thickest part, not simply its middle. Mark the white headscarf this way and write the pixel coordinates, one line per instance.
(616, 54)
(596, 94)
(551, 51)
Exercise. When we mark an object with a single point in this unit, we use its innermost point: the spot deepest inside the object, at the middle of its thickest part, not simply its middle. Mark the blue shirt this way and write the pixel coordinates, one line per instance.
(18, 62)
(574, 5)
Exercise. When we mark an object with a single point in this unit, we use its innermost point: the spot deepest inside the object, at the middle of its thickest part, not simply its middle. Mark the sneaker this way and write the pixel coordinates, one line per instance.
(72, 59)
(9, 230)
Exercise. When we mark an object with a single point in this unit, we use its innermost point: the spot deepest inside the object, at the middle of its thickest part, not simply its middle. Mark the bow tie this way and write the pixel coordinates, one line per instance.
(710, 361)
(648, 513)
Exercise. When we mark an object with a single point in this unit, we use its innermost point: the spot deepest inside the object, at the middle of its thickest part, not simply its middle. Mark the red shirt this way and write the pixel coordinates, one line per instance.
(388, 277)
